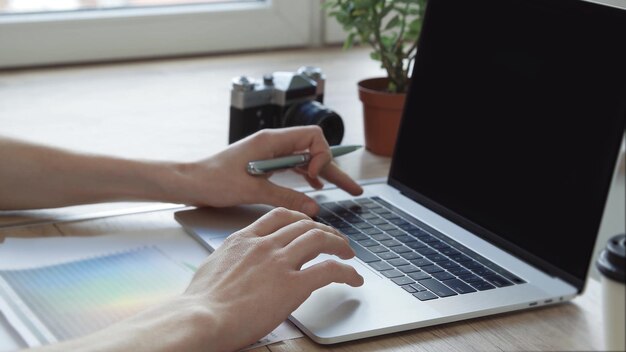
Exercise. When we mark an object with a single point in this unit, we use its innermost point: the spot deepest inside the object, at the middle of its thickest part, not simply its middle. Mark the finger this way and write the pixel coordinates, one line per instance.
(327, 272)
(273, 221)
(275, 195)
(318, 162)
(285, 141)
(315, 242)
(334, 174)
(290, 232)
(313, 181)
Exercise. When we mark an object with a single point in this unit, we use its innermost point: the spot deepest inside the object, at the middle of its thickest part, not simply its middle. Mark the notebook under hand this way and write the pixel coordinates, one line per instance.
(499, 178)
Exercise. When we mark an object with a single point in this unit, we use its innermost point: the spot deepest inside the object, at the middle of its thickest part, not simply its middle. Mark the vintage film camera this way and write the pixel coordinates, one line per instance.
(282, 99)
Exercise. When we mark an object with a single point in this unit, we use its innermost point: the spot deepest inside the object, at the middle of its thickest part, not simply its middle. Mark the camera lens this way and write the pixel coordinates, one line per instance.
(314, 113)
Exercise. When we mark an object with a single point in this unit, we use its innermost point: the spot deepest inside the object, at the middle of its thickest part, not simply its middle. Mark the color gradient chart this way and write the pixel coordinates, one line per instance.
(73, 299)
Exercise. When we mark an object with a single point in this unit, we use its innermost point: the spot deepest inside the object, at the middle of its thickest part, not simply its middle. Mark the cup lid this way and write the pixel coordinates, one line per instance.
(612, 260)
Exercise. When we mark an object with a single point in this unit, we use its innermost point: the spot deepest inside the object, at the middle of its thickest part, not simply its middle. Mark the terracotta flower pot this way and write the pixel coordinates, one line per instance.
(381, 112)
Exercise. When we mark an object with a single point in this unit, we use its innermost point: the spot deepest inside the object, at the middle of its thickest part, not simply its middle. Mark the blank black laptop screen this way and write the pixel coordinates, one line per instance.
(513, 123)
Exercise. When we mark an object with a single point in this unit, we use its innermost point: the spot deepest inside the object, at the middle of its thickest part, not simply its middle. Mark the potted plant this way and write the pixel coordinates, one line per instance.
(391, 28)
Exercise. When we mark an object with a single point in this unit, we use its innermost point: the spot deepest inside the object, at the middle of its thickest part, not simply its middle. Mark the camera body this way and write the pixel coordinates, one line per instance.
(282, 99)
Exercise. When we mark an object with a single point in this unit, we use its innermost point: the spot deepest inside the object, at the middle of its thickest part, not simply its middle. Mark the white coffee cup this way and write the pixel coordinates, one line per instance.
(612, 266)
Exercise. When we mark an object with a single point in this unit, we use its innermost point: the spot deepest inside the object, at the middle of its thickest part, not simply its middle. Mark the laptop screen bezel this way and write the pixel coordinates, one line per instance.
(471, 226)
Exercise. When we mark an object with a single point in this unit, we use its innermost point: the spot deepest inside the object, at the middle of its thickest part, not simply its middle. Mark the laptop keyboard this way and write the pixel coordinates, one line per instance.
(424, 262)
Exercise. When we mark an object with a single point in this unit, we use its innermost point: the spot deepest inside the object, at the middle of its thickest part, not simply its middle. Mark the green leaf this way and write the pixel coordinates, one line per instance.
(390, 27)
(349, 41)
(394, 22)
(392, 87)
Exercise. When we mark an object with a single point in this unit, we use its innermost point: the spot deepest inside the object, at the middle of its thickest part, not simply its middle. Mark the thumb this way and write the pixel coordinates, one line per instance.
(285, 197)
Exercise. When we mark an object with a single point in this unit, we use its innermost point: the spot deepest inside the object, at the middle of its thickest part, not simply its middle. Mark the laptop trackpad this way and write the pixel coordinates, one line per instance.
(339, 312)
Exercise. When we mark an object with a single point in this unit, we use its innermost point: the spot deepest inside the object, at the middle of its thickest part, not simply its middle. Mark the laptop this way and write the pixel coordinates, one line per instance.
(506, 151)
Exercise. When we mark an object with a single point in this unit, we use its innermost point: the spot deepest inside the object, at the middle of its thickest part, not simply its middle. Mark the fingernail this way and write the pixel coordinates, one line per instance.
(309, 208)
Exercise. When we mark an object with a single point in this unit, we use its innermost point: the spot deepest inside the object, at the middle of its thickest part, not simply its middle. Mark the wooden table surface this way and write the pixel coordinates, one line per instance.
(178, 110)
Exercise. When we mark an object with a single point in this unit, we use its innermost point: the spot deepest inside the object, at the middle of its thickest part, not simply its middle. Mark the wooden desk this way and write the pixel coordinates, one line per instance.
(568, 326)
(178, 110)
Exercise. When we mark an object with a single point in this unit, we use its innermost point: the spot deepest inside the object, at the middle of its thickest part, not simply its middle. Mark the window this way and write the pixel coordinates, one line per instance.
(97, 30)
(38, 6)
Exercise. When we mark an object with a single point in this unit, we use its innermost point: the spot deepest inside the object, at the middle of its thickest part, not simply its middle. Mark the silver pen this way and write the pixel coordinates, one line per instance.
(262, 167)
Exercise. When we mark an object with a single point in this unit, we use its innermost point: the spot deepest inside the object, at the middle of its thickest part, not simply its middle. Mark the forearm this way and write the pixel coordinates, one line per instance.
(33, 176)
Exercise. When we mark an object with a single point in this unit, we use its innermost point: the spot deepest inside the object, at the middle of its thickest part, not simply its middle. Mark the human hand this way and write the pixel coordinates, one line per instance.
(222, 180)
(253, 281)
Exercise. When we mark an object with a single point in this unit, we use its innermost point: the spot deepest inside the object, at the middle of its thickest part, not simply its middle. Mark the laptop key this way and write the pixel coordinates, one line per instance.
(357, 209)
(398, 262)
(377, 221)
(439, 246)
(421, 262)
(428, 239)
(460, 258)
(437, 288)
(380, 266)
(368, 216)
(431, 269)
(391, 243)
(472, 265)
(392, 273)
(442, 275)
(470, 278)
(410, 256)
(418, 287)
(408, 227)
(351, 218)
(386, 227)
(381, 237)
(396, 233)
(424, 296)
(401, 249)
(409, 289)
(362, 225)
(498, 280)
(387, 255)
(458, 271)
(377, 249)
(408, 269)
(449, 251)
(436, 257)
(371, 231)
(482, 285)
(415, 244)
(368, 243)
(405, 238)
(358, 237)
(363, 253)
(448, 264)
(399, 222)
(483, 272)
(419, 275)
(417, 232)
(367, 203)
(459, 286)
(402, 280)
(426, 251)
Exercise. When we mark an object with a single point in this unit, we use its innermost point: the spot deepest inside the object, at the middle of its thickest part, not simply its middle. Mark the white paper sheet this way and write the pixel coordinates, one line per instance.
(18, 253)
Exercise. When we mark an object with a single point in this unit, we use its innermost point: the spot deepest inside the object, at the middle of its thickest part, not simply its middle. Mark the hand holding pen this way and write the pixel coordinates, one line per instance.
(222, 180)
